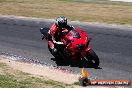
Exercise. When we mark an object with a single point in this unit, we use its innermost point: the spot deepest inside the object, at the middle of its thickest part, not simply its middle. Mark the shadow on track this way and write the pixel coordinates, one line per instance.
(62, 62)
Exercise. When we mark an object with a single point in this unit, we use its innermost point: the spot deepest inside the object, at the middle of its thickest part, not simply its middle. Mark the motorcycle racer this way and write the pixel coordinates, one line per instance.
(55, 32)
(69, 43)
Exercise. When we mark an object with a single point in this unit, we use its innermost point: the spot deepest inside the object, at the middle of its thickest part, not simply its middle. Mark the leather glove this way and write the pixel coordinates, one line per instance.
(54, 50)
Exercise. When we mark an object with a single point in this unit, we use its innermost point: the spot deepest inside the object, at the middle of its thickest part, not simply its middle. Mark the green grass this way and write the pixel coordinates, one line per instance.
(10, 82)
(2, 65)
(17, 79)
(76, 83)
(90, 10)
(26, 81)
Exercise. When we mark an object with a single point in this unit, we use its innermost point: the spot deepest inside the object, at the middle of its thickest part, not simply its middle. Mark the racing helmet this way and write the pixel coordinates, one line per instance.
(61, 21)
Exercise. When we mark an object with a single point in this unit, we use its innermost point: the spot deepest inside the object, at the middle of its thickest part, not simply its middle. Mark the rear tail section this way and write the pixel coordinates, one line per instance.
(44, 32)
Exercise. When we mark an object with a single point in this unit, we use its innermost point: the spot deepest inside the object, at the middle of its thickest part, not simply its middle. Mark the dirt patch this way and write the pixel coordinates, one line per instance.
(44, 71)
(41, 72)
(1, 72)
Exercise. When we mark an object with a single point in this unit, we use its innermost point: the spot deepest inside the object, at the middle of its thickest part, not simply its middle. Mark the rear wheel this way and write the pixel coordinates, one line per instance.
(93, 59)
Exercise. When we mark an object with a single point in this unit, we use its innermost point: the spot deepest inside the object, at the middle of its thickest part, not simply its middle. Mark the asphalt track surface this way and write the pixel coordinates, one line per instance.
(112, 45)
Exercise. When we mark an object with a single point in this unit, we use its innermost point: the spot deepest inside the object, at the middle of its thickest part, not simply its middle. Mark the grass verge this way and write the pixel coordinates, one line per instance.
(10, 78)
(82, 10)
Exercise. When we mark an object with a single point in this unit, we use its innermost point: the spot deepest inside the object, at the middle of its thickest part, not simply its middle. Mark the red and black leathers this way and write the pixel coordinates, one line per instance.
(55, 33)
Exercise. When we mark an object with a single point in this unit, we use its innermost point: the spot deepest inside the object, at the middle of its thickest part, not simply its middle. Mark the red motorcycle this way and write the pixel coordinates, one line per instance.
(75, 47)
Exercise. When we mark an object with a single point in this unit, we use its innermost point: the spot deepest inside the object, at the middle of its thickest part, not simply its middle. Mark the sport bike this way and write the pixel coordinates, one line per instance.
(75, 47)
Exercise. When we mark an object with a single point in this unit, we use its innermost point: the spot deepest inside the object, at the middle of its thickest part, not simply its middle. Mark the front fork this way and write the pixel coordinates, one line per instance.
(83, 55)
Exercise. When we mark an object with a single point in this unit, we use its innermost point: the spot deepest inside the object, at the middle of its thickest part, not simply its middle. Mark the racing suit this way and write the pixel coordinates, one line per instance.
(55, 34)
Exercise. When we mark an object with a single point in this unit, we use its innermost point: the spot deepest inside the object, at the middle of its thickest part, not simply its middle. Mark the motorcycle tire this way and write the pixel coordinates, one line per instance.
(93, 58)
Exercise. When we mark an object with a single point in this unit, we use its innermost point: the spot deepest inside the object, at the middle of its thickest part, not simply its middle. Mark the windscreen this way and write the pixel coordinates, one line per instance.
(73, 33)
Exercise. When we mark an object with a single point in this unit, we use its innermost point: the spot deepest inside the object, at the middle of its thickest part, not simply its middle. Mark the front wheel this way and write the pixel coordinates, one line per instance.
(92, 58)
